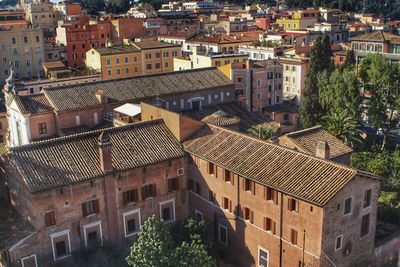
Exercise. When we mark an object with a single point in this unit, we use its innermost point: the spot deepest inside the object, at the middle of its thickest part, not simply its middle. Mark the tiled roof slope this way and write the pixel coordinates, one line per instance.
(294, 173)
(136, 88)
(378, 36)
(33, 103)
(66, 160)
(308, 139)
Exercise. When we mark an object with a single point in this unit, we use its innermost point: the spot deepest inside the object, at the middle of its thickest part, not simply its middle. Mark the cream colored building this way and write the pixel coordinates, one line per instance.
(294, 77)
(42, 15)
(200, 58)
(24, 48)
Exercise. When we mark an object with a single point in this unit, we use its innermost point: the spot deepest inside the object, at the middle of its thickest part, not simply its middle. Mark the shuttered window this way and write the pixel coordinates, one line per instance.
(293, 204)
(130, 196)
(293, 237)
(148, 191)
(248, 215)
(90, 207)
(50, 218)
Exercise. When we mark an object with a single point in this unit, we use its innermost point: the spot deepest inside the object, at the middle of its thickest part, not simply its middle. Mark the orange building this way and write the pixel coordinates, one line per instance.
(13, 20)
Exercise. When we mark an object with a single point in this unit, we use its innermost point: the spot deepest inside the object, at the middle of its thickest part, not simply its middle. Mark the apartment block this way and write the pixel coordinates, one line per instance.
(24, 48)
(42, 15)
(294, 77)
(10, 19)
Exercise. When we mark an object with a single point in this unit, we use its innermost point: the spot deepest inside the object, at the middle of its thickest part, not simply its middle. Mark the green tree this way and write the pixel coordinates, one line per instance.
(320, 61)
(350, 60)
(193, 254)
(340, 91)
(93, 7)
(343, 126)
(381, 81)
(264, 131)
(154, 246)
(117, 6)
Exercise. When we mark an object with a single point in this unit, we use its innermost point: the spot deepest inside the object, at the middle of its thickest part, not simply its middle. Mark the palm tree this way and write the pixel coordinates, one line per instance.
(264, 131)
(343, 126)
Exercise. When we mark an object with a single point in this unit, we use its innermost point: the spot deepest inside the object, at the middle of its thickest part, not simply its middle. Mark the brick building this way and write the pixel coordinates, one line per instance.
(109, 188)
(266, 205)
(75, 108)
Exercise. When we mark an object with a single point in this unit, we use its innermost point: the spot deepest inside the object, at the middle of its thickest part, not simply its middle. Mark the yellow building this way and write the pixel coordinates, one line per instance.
(299, 20)
(136, 59)
(203, 59)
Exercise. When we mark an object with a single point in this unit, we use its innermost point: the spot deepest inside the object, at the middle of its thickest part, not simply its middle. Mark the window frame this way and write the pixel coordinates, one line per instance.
(258, 258)
(369, 200)
(219, 234)
(126, 214)
(55, 220)
(85, 233)
(58, 234)
(351, 206)
(341, 242)
(27, 257)
(173, 210)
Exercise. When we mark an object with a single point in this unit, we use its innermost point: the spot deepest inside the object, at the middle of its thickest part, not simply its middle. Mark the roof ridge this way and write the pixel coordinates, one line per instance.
(91, 132)
(132, 78)
(304, 130)
(342, 166)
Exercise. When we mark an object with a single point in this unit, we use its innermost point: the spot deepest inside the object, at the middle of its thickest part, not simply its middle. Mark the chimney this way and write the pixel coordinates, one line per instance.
(104, 144)
(323, 151)
(101, 97)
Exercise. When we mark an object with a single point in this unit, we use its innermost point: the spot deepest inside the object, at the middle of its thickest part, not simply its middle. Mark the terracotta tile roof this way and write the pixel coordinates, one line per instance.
(123, 49)
(377, 36)
(53, 65)
(13, 227)
(136, 89)
(66, 160)
(307, 140)
(37, 103)
(247, 119)
(292, 172)
(154, 45)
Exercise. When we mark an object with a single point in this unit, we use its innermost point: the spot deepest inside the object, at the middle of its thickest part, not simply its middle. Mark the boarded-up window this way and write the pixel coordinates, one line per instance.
(50, 218)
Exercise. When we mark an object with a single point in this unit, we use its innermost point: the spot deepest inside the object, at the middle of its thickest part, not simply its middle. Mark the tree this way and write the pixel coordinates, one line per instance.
(264, 131)
(193, 254)
(153, 247)
(117, 6)
(342, 126)
(382, 84)
(350, 60)
(340, 90)
(320, 61)
(93, 7)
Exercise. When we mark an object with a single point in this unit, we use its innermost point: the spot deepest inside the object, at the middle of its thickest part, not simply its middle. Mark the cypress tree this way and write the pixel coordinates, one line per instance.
(320, 61)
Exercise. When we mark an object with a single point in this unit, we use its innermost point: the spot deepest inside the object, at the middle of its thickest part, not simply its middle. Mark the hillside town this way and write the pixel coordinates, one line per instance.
(204, 134)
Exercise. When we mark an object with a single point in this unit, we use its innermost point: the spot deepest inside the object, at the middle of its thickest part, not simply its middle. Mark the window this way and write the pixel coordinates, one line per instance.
(25, 39)
(29, 261)
(166, 64)
(228, 176)
(61, 244)
(90, 207)
(28, 62)
(158, 65)
(167, 210)
(118, 71)
(13, 40)
(126, 60)
(109, 72)
(367, 198)
(126, 70)
(239, 79)
(173, 184)
(174, 53)
(134, 59)
(148, 56)
(117, 60)
(149, 66)
(365, 225)
(131, 222)
(269, 225)
(165, 54)
(227, 204)
(338, 242)
(271, 194)
(293, 205)
(148, 191)
(210, 168)
(50, 218)
(158, 55)
(130, 196)
(293, 236)
(42, 128)
(258, 82)
(15, 51)
(347, 206)
(262, 257)
(108, 61)
(249, 185)
(223, 234)
(248, 215)
(197, 189)
(190, 184)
